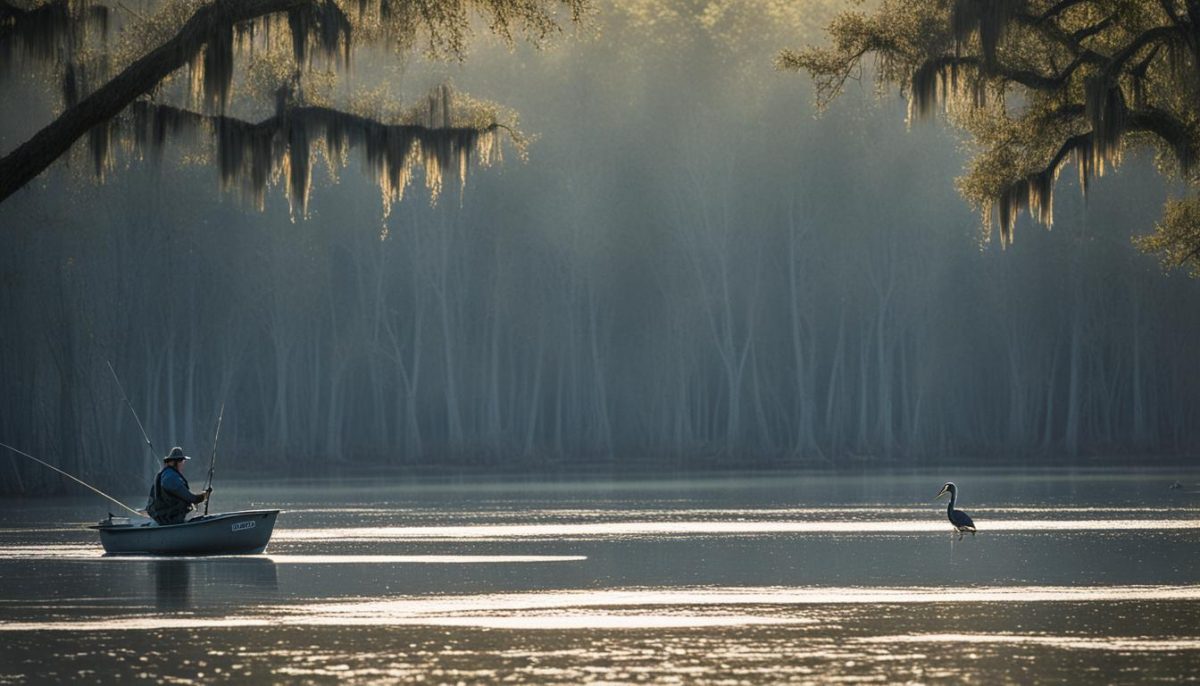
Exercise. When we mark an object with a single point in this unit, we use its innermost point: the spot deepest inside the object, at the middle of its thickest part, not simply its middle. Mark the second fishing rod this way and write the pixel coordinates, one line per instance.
(150, 444)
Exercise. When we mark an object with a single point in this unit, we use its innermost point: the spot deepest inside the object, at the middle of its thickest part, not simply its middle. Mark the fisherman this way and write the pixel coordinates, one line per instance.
(170, 497)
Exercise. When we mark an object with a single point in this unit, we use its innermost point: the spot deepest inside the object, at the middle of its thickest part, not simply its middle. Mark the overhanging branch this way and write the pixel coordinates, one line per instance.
(253, 154)
(28, 160)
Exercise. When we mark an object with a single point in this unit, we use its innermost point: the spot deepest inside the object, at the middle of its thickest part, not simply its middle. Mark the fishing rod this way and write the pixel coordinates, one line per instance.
(130, 406)
(212, 462)
(73, 478)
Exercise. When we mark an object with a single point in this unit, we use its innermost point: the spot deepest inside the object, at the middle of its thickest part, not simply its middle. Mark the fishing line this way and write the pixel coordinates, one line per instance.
(130, 405)
(73, 478)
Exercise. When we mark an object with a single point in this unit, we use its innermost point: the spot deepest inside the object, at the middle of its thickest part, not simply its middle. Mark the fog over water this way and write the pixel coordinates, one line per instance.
(691, 269)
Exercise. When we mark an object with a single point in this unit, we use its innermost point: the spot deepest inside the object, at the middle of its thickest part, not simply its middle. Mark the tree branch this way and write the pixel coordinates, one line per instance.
(1026, 77)
(1148, 37)
(1071, 41)
(251, 152)
(1171, 131)
(1191, 255)
(21, 165)
(1058, 9)
(1035, 190)
(1088, 31)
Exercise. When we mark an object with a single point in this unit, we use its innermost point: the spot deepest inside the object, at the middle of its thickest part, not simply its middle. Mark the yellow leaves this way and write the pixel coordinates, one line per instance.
(441, 29)
(901, 35)
(288, 58)
(732, 30)
(1079, 84)
(150, 29)
(1176, 237)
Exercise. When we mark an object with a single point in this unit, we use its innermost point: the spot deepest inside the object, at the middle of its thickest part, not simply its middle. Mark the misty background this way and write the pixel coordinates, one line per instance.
(691, 270)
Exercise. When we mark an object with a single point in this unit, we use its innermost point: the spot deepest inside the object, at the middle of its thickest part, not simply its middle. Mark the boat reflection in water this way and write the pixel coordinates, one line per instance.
(188, 583)
(172, 584)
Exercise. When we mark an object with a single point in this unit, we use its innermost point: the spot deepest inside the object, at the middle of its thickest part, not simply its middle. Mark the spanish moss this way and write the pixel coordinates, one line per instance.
(251, 156)
(48, 31)
(987, 19)
(316, 28)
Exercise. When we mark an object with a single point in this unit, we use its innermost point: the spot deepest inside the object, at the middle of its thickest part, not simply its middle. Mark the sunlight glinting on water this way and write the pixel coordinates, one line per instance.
(691, 528)
(137, 624)
(838, 512)
(539, 621)
(635, 608)
(52, 551)
(95, 553)
(1075, 642)
(421, 559)
(565, 622)
(739, 596)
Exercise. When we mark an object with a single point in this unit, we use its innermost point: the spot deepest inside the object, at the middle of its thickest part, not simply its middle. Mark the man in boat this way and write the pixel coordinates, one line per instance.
(171, 498)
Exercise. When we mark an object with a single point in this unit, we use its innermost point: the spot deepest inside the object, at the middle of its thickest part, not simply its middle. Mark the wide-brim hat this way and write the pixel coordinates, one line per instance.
(176, 454)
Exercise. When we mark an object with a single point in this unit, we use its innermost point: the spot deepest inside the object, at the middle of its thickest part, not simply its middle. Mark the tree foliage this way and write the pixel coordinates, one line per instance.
(142, 72)
(1039, 84)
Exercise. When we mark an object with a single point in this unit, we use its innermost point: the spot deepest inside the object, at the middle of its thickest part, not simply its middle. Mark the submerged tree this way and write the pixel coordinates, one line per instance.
(1038, 84)
(169, 68)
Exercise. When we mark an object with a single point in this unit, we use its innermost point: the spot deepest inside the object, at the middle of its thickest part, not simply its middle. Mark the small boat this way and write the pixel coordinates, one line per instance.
(232, 533)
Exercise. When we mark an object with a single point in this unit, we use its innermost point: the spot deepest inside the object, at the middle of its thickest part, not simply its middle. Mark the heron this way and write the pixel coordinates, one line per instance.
(961, 521)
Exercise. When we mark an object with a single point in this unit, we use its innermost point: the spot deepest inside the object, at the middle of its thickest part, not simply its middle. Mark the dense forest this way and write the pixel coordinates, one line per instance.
(689, 270)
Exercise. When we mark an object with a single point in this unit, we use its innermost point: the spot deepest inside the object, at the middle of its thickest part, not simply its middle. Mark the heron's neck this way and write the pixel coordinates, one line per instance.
(953, 497)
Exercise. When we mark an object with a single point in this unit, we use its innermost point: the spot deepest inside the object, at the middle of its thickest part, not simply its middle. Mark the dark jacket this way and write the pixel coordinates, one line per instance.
(170, 497)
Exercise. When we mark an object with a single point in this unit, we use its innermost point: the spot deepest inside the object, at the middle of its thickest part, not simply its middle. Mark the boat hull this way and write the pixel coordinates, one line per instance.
(232, 533)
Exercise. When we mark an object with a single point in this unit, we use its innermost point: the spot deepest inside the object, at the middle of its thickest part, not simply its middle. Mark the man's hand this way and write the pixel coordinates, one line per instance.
(204, 495)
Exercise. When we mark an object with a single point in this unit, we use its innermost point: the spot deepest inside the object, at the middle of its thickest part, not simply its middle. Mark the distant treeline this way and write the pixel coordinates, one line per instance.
(760, 332)
(689, 271)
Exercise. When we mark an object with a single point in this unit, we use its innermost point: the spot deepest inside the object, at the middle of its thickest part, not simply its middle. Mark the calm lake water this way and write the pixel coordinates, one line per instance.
(1073, 577)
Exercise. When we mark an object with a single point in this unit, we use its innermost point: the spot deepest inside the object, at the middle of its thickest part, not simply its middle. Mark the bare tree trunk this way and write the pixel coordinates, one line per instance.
(172, 412)
(833, 419)
(600, 392)
(1137, 401)
(802, 443)
(1074, 382)
(535, 400)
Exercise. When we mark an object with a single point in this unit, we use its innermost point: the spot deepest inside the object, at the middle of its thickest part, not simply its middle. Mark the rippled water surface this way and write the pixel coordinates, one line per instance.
(1074, 577)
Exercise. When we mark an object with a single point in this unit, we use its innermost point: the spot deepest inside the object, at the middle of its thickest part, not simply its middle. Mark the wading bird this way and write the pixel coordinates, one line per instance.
(960, 520)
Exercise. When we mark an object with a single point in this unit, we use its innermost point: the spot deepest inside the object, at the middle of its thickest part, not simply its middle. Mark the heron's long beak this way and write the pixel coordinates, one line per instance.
(941, 493)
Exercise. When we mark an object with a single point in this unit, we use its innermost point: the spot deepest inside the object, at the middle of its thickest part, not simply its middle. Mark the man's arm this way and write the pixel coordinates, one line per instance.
(172, 484)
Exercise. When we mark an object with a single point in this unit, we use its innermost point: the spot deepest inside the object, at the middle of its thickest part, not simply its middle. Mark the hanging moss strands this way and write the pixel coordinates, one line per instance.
(1037, 84)
(251, 156)
(48, 31)
(211, 38)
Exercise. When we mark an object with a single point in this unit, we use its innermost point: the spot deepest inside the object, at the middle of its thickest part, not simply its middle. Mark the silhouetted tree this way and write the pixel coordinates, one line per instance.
(1039, 83)
(281, 41)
